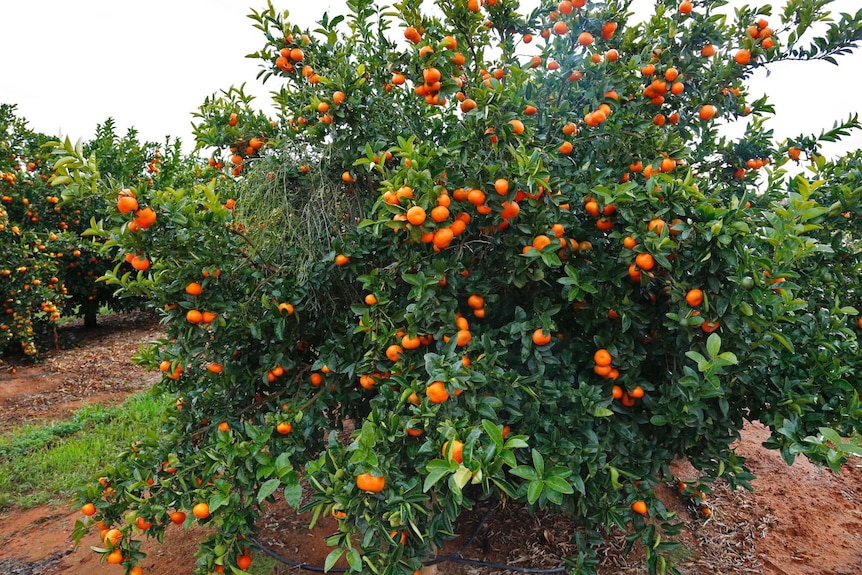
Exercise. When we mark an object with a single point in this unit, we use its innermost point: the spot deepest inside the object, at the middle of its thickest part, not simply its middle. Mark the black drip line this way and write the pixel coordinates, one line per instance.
(434, 560)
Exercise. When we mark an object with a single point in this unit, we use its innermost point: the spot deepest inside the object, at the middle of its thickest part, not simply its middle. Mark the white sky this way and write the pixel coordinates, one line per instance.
(70, 65)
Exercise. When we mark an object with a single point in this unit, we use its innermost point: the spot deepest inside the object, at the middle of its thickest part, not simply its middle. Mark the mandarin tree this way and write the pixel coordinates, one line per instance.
(47, 267)
(422, 298)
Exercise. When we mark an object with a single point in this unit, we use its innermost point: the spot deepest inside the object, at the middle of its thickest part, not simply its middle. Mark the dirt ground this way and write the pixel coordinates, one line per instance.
(799, 520)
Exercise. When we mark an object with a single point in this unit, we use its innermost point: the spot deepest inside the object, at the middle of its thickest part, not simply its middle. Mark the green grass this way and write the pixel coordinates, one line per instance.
(43, 463)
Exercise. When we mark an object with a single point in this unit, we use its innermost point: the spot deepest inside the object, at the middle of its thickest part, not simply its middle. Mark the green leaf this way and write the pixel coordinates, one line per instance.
(332, 558)
(462, 476)
(267, 489)
(293, 494)
(538, 463)
(516, 443)
(559, 484)
(436, 470)
(217, 500)
(525, 472)
(602, 412)
(713, 345)
(494, 431)
(782, 340)
(354, 560)
(534, 491)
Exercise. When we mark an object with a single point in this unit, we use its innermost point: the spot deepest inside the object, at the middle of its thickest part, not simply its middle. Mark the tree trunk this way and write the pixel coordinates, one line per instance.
(91, 312)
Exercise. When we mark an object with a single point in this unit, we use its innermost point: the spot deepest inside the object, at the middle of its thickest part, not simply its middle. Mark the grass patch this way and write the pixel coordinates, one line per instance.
(43, 463)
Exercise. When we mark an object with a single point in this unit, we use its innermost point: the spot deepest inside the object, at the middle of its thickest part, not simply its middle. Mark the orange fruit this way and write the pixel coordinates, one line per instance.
(707, 51)
(393, 352)
(540, 242)
(637, 392)
(694, 297)
(629, 242)
(602, 358)
(656, 225)
(112, 537)
(284, 428)
(178, 517)
(501, 186)
(194, 289)
(224, 426)
(416, 215)
(194, 316)
(201, 510)
(585, 39)
(145, 218)
(115, 557)
(685, 7)
(243, 561)
(341, 260)
(88, 509)
(742, 57)
(436, 392)
(566, 148)
(541, 337)
(639, 507)
(605, 224)
(517, 126)
(127, 204)
(141, 263)
(645, 261)
(707, 111)
(286, 307)
(370, 483)
(316, 379)
(457, 451)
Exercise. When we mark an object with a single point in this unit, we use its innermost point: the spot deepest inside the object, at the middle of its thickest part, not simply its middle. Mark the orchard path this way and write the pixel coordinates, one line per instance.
(798, 521)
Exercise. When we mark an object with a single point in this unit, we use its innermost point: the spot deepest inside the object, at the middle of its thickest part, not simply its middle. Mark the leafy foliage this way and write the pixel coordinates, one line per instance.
(481, 252)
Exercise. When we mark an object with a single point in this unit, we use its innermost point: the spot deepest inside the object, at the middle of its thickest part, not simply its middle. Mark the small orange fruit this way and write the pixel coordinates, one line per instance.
(178, 517)
(115, 557)
(707, 111)
(639, 507)
(541, 337)
(370, 483)
(602, 357)
(457, 451)
(436, 392)
(694, 297)
(284, 428)
(645, 261)
(201, 510)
